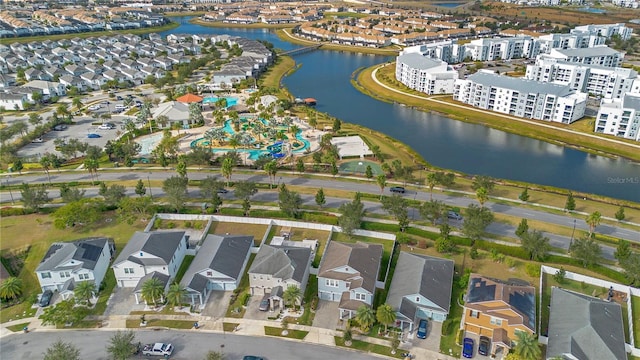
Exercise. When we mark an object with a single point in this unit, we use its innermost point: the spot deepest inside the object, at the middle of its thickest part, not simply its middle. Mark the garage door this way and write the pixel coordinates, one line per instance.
(229, 286)
(129, 283)
(215, 286)
(325, 296)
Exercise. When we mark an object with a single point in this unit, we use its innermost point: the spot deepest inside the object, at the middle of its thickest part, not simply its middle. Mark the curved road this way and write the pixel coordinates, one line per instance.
(188, 344)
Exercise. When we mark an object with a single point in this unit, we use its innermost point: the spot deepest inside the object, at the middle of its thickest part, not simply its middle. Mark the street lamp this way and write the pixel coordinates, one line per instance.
(149, 182)
(10, 192)
(572, 232)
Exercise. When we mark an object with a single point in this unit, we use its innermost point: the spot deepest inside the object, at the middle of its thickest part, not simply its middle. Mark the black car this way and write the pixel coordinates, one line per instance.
(45, 299)
(483, 345)
(398, 190)
(222, 191)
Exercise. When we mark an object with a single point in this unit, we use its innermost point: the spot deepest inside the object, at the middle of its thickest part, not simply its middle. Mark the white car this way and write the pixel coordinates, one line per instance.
(159, 349)
(106, 127)
(37, 140)
(95, 107)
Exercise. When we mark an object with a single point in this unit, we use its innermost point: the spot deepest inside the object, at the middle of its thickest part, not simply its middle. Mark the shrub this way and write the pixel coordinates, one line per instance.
(510, 262)
(422, 244)
(319, 218)
(447, 326)
(198, 226)
(473, 253)
(244, 300)
(11, 211)
(158, 223)
(403, 238)
(459, 336)
(171, 225)
(532, 270)
(188, 224)
(374, 226)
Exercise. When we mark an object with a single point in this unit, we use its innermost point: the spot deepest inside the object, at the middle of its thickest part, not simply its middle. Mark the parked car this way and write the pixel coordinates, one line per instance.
(37, 140)
(118, 97)
(93, 136)
(422, 329)
(222, 191)
(264, 305)
(106, 127)
(467, 348)
(45, 299)
(484, 345)
(398, 190)
(158, 349)
(251, 357)
(454, 215)
(95, 107)
(60, 127)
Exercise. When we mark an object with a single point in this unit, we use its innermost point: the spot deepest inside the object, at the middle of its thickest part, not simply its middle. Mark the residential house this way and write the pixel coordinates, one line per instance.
(49, 89)
(348, 274)
(175, 111)
(420, 289)
(275, 268)
(219, 265)
(13, 101)
(67, 263)
(584, 327)
(499, 309)
(148, 252)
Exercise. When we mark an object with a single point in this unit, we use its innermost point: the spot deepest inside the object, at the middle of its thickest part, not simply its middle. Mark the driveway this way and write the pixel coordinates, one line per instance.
(476, 340)
(254, 313)
(432, 342)
(217, 304)
(122, 302)
(326, 315)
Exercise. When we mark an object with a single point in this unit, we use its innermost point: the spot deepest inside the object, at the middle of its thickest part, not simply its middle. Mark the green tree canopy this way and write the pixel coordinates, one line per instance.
(477, 220)
(122, 345)
(61, 350)
(586, 250)
(397, 206)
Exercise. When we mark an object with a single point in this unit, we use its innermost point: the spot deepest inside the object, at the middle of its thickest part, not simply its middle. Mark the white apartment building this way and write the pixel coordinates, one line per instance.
(448, 51)
(633, 4)
(569, 41)
(598, 55)
(426, 75)
(502, 48)
(620, 117)
(606, 30)
(521, 97)
(608, 82)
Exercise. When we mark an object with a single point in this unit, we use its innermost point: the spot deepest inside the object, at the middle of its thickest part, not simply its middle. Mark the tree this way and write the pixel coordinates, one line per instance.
(141, 190)
(481, 181)
(131, 209)
(92, 166)
(334, 168)
(152, 291)
(34, 197)
(227, 169)
(292, 295)
(214, 355)
(176, 294)
(271, 168)
(77, 213)
(433, 210)
(483, 195)
(289, 201)
(593, 220)
(397, 206)
(337, 125)
(114, 194)
(631, 267)
(122, 345)
(351, 216)
(560, 275)
(524, 195)
(523, 228)
(381, 180)
(476, 221)
(320, 199)
(619, 215)
(365, 317)
(527, 347)
(444, 244)
(35, 119)
(181, 168)
(623, 251)
(570, 204)
(175, 189)
(11, 288)
(385, 315)
(586, 250)
(85, 290)
(245, 190)
(62, 313)
(45, 162)
(300, 166)
(535, 244)
(61, 350)
(368, 172)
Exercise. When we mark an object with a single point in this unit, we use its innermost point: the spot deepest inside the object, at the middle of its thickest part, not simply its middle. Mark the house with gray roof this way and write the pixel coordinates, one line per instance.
(218, 265)
(420, 289)
(67, 263)
(146, 252)
(275, 268)
(348, 274)
(584, 327)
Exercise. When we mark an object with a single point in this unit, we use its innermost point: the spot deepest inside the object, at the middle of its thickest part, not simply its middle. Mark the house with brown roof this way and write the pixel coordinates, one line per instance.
(499, 310)
(348, 274)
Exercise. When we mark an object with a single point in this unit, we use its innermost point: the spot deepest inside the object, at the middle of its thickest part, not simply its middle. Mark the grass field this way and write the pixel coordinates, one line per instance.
(368, 347)
(242, 289)
(273, 76)
(173, 324)
(635, 305)
(255, 230)
(292, 334)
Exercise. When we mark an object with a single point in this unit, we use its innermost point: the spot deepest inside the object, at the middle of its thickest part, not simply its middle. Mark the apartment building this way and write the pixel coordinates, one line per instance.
(521, 97)
(607, 82)
(606, 30)
(502, 48)
(448, 51)
(573, 40)
(426, 75)
(598, 55)
(620, 117)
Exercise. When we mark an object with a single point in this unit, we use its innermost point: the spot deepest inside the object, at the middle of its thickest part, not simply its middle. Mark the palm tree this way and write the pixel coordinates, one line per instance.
(175, 294)
(527, 347)
(432, 180)
(271, 168)
(382, 182)
(385, 315)
(11, 288)
(85, 290)
(77, 102)
(292, 295)
(593, 220)
(483, 195)
(163, 120)
(92, 166)
(365, 317)
(152, 291)
(234, 141)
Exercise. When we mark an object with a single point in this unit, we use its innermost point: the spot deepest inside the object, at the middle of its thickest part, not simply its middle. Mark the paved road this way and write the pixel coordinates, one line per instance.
(188, 344)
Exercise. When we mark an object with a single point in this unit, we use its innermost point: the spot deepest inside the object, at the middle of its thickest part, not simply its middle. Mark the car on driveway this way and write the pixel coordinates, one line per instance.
(467, 348)
(422, 329)
(398, 190)
(93, 136)
(484, 345)
(45, 299)
(264, 305)
(158, 349)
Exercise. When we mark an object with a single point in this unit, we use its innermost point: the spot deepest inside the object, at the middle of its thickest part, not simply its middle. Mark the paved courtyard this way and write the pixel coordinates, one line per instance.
(326, 315)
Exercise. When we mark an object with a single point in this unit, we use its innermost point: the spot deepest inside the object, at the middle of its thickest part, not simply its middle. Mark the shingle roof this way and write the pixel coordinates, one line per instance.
(282, 262)
(364, 258)
(164, 279)
(85, 251)
(586, 327)
(162, 244)
(428, 276)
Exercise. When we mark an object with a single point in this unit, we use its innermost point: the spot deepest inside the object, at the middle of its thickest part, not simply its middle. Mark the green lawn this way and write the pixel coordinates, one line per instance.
(387, 246)
(242, 289)
(256, 230)
(173, 324)
(188, 259)
(229, 327)
(292, 334)
(368, 347)
(310, 293)
(635, 306)
(17, 327)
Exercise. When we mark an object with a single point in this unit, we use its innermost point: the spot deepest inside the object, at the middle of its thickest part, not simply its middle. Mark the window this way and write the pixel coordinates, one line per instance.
(46, 275)
(474, 314)
(128, 270)
(496, 321)
(65, 274)
(361, 296)
(332, 282)
(209, 273)
(83, 276)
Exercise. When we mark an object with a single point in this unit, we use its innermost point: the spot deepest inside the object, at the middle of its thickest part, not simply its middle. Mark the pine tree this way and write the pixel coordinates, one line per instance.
(570, 205)
(524, 196)
(320, 199)
(620, 214)
(368, 172)
(141, 190)
(523, 228)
